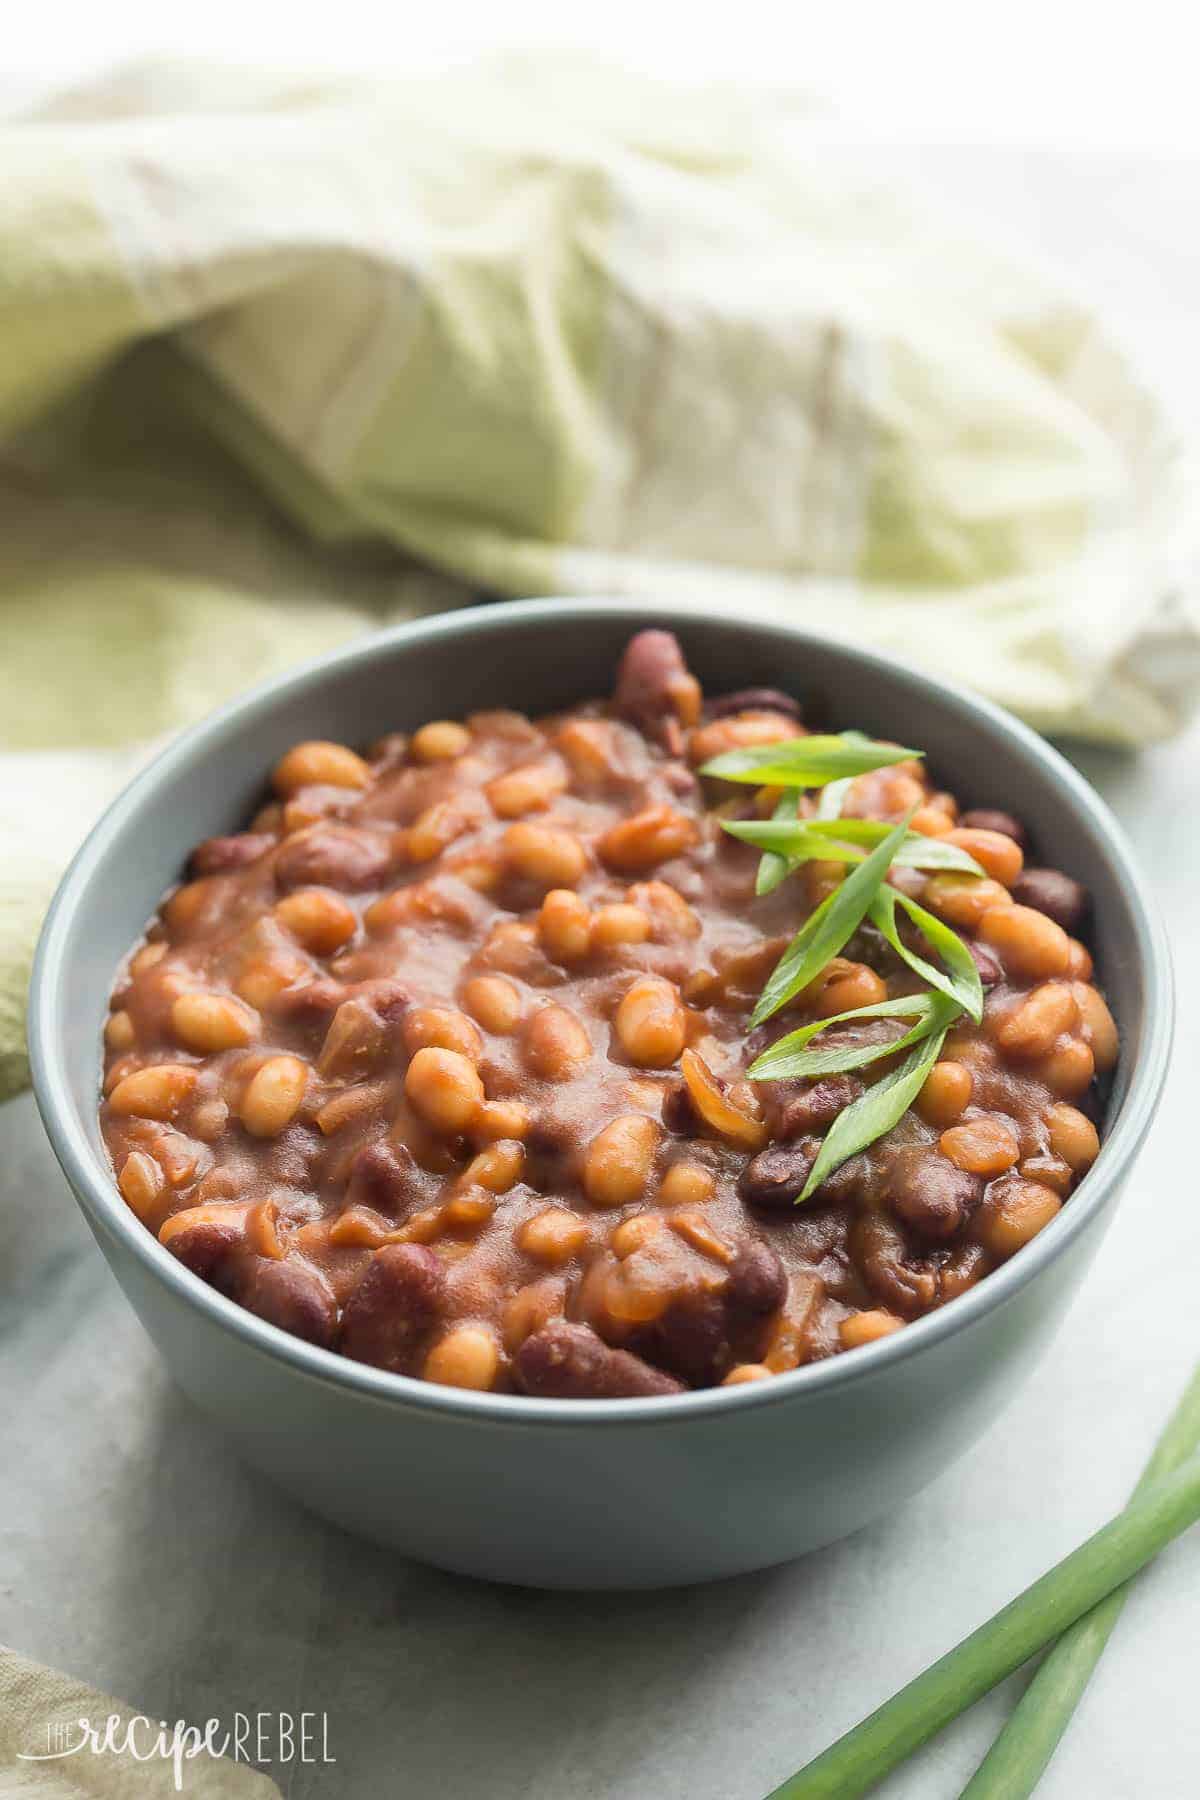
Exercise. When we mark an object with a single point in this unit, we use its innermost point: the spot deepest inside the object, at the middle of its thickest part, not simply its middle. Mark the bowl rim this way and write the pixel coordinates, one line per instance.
(97, 1193)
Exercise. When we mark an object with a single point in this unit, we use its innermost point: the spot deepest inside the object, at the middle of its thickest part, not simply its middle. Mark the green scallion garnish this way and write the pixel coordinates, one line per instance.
(790, 1059)
(828, 929)
(881, 1107)
(870, 848)
(806, 762)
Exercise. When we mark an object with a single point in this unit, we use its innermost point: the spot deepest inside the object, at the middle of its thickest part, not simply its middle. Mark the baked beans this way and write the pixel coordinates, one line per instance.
(442, 1063)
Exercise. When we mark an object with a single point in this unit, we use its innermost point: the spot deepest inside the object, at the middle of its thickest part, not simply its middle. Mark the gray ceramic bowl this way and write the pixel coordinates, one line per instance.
(618, 1493)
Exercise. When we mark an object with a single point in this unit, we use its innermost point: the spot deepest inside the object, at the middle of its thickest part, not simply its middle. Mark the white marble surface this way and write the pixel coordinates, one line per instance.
(136, 1552)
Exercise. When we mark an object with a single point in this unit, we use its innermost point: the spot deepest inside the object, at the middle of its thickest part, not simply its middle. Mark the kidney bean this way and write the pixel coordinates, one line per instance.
(691, 1338)
(288, 1295)
(217, 854)
(776, 1175)
(570, 1362)
(960, 1270)
(394, 1307)
(678, 1113)
(930, 1193)
(654, 683)
(752, 699)
(389, 998)
(205, 1245)
(335, 856)
(757, 1278)
(312, 1004)
(819, 1106)
(1057, 895)
(854, 1182)
(868, 945)
(986, 818)
(385, 1177)
(905, 1284)
(986, 961)
(819, 1231)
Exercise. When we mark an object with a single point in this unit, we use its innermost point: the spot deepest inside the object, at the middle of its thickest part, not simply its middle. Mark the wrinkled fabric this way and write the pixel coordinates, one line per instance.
(283, 360)
(61, 1740)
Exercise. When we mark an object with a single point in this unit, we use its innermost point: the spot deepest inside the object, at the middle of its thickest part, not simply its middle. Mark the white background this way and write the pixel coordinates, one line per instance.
(1066, 74)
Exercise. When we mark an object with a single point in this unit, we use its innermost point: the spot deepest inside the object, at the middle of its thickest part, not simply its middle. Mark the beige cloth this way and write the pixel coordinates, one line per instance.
(41, 1714)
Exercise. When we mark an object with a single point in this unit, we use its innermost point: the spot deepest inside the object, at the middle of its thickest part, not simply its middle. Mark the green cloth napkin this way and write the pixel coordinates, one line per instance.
(279, 360)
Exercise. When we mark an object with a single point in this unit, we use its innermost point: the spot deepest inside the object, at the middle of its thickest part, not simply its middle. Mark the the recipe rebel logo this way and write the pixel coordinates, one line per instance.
(263, 1740)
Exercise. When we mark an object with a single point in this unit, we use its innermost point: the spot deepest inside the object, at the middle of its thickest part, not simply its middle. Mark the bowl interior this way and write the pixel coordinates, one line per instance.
(539, 656)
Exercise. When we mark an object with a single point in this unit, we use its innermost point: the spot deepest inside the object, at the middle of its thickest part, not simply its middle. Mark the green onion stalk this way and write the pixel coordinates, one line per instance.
(1087, 1586)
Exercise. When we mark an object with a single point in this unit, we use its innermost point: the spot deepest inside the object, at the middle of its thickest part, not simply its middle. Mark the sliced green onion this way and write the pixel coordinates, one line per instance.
(918, 851)
(873, 1749)
(832, 796)
(878, 1110)
(960, 978)
(833, 840)
(789, 1058)
(806, 762)
(772, 868)
(828, 929)
(1017, 1760)
(870, 847)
